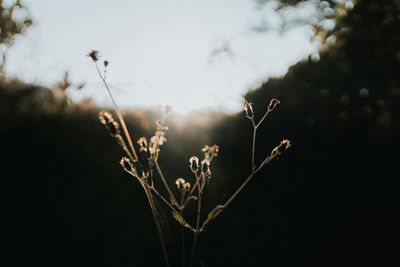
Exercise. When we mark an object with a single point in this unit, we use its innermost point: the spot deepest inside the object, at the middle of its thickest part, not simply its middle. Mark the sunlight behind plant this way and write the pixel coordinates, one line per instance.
(186, 54)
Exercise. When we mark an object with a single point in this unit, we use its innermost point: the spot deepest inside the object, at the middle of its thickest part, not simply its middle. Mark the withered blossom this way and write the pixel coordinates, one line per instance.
(186, 186)
(284, 145)
(126, 163)
(143, 144)
(272, 104)
(111, 124)
(105, 117)
(94, 55)
(161, 139)
(248, 108)
(160, 126)
(179, 183)
(194, 167)
(210, 152)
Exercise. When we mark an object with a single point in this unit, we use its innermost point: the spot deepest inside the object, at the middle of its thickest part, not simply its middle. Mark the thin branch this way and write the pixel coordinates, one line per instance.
(275, 152)
(182, 233)
(121, 119)
(199, 193)
(196, 184)
(163, 199)
(158, 226)
(253, 150)
(171, 195)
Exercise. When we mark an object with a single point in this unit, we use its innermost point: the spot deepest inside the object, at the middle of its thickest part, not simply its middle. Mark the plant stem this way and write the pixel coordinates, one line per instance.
(182, 233)
(193, 248)
(196, 184)
(253, 150)
(124, 147)
(171, 195)
(236, 193)
(197, 221)
(262, 119)
(120, 118)
(163, 199)
(266, 160)
(158, 226)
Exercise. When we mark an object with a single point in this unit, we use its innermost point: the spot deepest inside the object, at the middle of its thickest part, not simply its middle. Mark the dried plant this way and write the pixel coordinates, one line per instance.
(143, 169)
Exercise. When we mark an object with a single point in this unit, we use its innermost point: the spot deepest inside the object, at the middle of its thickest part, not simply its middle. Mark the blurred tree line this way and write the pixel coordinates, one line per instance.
(14, 21)
(330, 200)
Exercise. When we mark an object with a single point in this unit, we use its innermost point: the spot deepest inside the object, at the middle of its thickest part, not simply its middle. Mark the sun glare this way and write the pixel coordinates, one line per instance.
(191, 55)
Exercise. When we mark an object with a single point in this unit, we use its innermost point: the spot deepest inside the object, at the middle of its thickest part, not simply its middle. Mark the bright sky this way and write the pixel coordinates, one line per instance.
(160, 51)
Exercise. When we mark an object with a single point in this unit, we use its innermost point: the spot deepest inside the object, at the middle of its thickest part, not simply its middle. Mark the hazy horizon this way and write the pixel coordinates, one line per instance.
(187, 54)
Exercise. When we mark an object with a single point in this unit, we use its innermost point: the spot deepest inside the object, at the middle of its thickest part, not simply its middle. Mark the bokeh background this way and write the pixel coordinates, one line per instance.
(331, 200)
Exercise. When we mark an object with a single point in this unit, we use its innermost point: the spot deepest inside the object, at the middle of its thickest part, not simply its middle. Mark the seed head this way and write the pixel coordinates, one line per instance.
(180, 183)
(284, 145)
(205, 170)
(272, 104)
(143, 144)
(105, 117)
(248, 108)
(111, 124)
(126, 164)
(194, 163)
(210, 152)
(160, 126)
(94, 55)
(186, 186)
(161, 139)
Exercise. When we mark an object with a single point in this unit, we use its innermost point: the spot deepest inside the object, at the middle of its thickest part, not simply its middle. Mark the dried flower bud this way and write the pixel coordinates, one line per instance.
(94, 55)
(186, 186)
(194, 163)
(111, 125)
(113, 128)
(106, 63)
(160, 126)
(215, 150)
(105, 117)
(272, 104)
(126, 164)
(180, 183)
(143, 144)
(205, 170)
(161, 139)
(284, 145)
(210, 152)
(205, 166)
(248, 108)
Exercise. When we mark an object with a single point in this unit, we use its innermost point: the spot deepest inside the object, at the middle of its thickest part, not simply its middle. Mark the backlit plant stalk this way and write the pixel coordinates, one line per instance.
(113, 127)
(142, 170)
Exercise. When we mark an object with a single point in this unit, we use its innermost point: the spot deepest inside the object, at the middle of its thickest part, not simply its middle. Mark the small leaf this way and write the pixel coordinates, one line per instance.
(211, 215)
(182, 221)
